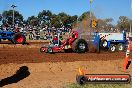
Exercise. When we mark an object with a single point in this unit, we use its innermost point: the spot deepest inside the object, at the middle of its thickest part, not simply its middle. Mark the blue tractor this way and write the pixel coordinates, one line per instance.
(14, 36)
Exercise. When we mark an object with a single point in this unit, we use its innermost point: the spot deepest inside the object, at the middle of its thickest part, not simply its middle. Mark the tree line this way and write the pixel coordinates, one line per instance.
(46, 17)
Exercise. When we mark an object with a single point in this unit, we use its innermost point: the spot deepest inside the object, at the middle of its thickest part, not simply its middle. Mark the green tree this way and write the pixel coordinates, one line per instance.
(72, 20)
(45, 17)
(33, 21)
(56, 22)
(63, 18)
(7, 17)
(67, 20)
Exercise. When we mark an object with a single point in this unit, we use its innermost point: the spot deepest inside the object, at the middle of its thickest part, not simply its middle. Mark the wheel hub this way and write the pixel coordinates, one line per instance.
(121, 47)
(50, 50)
(104, 44)
(113, 48)
(19, 39)
(82, 46)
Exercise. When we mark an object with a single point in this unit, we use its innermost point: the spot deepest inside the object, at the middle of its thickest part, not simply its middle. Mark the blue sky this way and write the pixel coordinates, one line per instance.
(101, 8)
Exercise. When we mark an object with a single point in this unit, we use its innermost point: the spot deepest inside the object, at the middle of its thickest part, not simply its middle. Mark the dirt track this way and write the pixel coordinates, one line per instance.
(32, 55)
(55, 70)
(10, 53)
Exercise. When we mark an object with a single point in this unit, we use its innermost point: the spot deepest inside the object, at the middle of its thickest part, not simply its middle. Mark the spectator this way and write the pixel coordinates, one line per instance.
(4, 28)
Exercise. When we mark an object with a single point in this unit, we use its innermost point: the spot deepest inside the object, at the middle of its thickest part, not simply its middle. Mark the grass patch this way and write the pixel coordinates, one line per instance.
(74, 85)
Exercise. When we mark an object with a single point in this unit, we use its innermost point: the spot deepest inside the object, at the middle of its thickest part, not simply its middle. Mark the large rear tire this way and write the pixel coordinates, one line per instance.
(81, 46)
(19, 39)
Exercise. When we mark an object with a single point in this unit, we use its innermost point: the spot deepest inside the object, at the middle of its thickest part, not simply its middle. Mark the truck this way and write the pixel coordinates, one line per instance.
(100, 41)
(113, 41)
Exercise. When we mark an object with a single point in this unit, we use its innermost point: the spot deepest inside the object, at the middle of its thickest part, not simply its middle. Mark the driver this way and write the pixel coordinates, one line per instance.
(55, 40)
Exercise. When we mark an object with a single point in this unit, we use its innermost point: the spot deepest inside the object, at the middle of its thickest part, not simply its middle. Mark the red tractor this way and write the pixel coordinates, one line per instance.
(65, 45)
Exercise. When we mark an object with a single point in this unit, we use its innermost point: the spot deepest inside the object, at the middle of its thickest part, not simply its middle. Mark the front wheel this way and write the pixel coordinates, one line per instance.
(112, 48)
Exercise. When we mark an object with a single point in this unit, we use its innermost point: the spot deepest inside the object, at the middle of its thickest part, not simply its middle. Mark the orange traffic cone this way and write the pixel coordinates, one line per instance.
(127, 55)
(81, 72)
